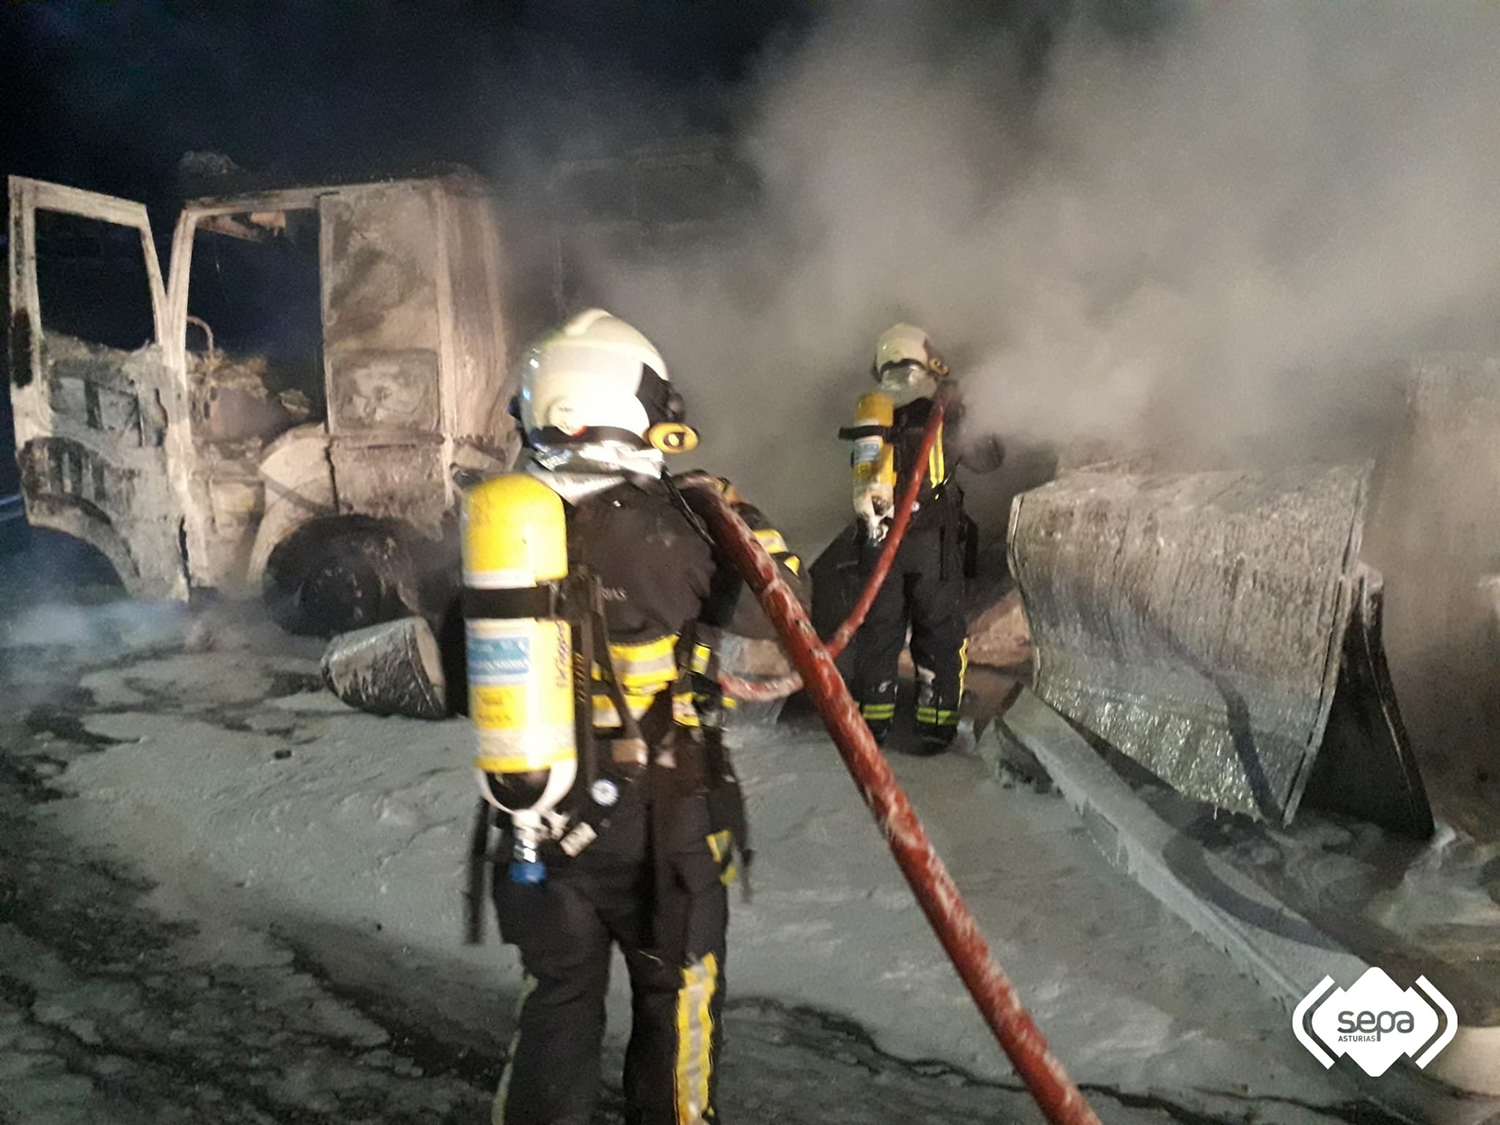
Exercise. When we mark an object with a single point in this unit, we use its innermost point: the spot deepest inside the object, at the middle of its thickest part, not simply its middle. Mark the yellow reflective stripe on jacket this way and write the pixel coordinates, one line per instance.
(775, 545)
(702, 654)
(771, 540)
(695, 1035)
(605, 714)
(684, 712)
(877, 710)
(645, 667)
(936, 463)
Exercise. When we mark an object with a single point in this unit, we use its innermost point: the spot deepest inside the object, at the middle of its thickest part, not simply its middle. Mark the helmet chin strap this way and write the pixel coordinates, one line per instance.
(598, 458)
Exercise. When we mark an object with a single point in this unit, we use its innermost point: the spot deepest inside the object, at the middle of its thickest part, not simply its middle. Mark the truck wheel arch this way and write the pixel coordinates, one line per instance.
(298, 481)
(337, 573)
(92, 527)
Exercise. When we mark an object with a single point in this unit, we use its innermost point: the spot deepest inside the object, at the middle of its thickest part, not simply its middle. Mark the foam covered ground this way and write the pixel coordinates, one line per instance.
(238, 788)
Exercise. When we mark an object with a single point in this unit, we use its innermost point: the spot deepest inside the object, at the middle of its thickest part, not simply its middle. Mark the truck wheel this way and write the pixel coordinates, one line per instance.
(335, 576)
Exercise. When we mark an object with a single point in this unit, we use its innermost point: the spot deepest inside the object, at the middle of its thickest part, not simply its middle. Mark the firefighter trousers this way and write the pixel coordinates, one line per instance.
(565, 929)
(924, 591)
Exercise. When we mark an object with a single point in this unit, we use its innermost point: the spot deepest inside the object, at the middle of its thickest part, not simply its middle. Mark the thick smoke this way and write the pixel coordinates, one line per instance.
(1221, 237)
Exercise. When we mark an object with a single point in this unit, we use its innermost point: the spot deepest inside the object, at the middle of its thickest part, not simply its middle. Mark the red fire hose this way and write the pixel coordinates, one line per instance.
(1060, 1100)
(764, 690)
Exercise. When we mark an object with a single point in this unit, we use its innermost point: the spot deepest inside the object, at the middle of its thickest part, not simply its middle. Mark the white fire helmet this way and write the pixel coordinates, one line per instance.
(904, 357)
(596, 390)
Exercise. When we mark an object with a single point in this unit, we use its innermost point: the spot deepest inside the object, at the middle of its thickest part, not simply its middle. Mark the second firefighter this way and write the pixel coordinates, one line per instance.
(924, 591)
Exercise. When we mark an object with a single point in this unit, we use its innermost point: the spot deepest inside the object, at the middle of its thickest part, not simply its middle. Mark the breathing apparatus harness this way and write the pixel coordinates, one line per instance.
(874, 457)
(535, 634)
(536, 648)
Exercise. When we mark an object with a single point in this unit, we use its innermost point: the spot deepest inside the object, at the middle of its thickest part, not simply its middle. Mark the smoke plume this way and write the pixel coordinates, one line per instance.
(1219, 234)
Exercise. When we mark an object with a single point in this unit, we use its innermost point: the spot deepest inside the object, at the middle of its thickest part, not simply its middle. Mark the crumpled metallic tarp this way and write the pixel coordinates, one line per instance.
(388, 669)
(1195, 621)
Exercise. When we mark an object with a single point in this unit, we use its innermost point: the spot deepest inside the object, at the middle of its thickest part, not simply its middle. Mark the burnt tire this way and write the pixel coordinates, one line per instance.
(334, 576)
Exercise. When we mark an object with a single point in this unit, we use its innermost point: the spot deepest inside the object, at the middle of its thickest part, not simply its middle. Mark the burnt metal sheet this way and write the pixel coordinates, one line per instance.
(483, 380)
(393, 389)
(401, 482)
(1195, 621)
(93, 459)
(233, 402)
(1366, 767)
(381, 311)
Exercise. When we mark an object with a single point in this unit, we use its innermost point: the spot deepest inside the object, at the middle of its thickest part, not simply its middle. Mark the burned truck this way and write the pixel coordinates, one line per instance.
(297, 407)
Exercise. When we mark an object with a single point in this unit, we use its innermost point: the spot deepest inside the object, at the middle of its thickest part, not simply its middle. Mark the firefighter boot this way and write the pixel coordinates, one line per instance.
(937, 717)
(878, 708)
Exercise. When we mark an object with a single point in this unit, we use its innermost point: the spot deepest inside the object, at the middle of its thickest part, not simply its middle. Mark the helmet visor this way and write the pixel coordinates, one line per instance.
(901, 375)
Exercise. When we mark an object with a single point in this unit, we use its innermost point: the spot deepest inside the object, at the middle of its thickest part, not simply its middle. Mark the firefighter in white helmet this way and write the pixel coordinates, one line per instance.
(643, 855)
(925, 588)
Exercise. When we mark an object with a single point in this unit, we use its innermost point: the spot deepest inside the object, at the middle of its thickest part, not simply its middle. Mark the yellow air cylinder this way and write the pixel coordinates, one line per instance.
(520, 657)
(874, 459)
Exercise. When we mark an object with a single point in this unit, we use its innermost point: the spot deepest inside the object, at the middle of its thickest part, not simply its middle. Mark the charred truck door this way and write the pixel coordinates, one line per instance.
(384, 300)
(99, 418)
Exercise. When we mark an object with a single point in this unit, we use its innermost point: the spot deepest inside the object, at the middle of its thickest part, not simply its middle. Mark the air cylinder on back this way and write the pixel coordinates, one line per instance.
(873, 458)
(520, 656)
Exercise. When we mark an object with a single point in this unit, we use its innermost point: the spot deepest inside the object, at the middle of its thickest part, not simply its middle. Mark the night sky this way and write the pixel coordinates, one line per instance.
(108, 94)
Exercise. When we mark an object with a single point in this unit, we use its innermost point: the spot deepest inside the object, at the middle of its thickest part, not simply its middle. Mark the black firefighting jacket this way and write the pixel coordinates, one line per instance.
(940, 497)
(669, 597)
(668, 593)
